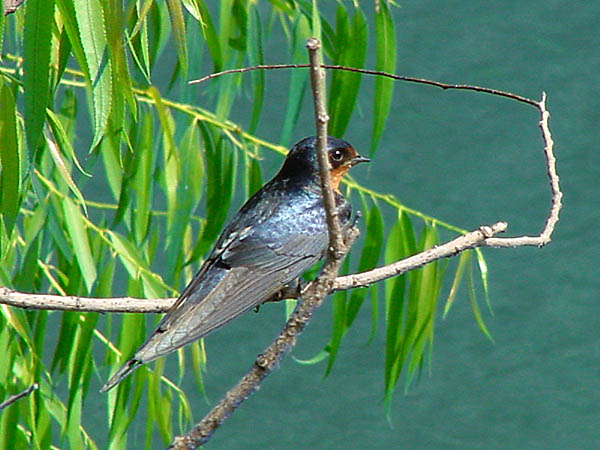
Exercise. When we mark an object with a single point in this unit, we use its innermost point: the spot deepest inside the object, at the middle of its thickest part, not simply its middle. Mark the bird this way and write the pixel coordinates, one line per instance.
(279, 233)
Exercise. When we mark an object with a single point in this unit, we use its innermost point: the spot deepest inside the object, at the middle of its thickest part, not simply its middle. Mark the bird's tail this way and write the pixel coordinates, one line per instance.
(123, 372)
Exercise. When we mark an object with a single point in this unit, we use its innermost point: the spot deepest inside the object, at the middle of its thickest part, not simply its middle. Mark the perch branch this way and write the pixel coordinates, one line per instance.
(317, 79)
(479, 237)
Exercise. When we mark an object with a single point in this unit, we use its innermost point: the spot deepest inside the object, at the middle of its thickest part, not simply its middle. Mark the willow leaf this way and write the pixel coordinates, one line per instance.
(368, 260)
(339, 329)
(211, 36)
(298, 79)
(351, 46)
(465, 258)
(63, 140)
(385, 37)
(92, 32)
(10, 182)
(256, 57)
(178, 28)
(39, 17)
(61, 165)
(81, 244)
(475, 305)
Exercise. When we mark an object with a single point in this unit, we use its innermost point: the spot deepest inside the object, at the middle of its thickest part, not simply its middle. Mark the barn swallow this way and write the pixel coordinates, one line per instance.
(275, 237)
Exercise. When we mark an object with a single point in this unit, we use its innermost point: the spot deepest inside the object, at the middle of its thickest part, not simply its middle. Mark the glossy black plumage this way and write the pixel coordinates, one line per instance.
(278, 234)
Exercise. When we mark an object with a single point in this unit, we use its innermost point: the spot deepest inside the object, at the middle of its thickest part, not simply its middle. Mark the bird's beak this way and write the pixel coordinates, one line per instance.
(359, 159)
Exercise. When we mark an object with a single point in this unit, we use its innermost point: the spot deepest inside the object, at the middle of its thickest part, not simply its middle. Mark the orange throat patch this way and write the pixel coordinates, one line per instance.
(336, 176)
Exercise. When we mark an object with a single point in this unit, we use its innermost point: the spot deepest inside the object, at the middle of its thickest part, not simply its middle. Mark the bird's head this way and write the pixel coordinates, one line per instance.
(302, 159)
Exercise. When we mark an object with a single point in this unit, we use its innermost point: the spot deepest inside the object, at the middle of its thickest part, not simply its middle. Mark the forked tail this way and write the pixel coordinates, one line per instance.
(123, 372)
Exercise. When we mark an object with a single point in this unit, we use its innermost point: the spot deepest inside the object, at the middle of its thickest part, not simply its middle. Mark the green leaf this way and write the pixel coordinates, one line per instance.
(61, 165)
(79, 238)
(178, 29)
(339, 323)
(137, 267)
(385, 37)
(339, 329)
(395, 288)
(92, 32)
(39, 18)
(368, 260)
(465, 258)
(211, 36)
(123, 90)
(189, 193)
(63, 140)
(316, 21)
(475, 305)
(67, 14)
(255, 180)
(141, 181)
(220, 171)
(10, 162)
(351, 47)
(256, 57)
(298, 79)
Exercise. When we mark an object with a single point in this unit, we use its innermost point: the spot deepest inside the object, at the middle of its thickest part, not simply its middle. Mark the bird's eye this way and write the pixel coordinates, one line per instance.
(337, 155)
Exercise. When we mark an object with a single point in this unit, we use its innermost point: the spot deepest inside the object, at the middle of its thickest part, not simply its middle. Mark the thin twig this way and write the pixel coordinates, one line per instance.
(465, 87)
(13, 398)
(545, 236)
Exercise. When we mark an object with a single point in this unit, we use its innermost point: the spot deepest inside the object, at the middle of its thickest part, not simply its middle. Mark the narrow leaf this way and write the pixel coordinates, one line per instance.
(178, 28)
(81, 244)
(39, 16)
(351, 46)
(10, 181)
(64, 171)
(92, 32)
(475, 305)
(256, 57)
(298, 81)
(465, 258)
(385, 36)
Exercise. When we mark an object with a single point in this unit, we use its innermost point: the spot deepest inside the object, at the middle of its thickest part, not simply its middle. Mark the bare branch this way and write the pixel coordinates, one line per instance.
(452, 248)
(479, 237)
(317, 79)
(464, 87)
(84, 304)
(13, 398)
(545, 236)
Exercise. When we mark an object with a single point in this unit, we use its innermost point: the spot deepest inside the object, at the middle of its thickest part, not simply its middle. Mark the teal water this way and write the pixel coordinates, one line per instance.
(468, 159)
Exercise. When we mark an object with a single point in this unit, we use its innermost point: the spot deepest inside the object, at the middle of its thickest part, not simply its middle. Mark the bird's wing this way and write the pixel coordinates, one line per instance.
(248, 272)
